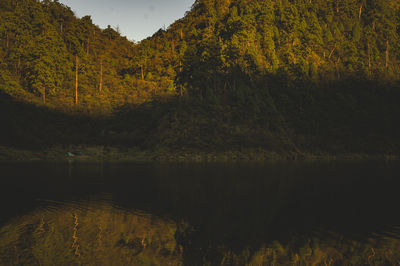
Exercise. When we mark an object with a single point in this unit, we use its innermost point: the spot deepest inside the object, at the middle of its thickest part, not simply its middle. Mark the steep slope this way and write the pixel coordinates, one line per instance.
(307, 40)
(284, 76)
(323, 73)
(48, 55)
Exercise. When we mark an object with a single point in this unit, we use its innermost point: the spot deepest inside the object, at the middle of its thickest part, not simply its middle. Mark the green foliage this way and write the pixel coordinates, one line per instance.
(307, 40)
(215, 52)
(39, 42)
(314, 75)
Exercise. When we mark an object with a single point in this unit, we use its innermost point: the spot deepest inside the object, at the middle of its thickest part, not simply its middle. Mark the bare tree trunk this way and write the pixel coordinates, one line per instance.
(180, 90)
(88, 46)
(387, 55)
(141, 68)
(76, 78)
(7, 41)
(44, 95)
(61, 27)
(369, 60)
(101, 75)
(359, 15)
(333, 50)
(19, 66)
(180, 86)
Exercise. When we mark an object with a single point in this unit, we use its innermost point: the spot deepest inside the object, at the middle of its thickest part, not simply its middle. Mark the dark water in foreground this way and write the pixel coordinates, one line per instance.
(196, 214)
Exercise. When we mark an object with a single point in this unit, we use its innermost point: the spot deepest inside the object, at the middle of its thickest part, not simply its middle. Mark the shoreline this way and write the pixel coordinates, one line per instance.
(114, 154)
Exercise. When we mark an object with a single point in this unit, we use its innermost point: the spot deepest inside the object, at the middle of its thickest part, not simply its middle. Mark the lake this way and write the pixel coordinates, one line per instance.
(200, 214)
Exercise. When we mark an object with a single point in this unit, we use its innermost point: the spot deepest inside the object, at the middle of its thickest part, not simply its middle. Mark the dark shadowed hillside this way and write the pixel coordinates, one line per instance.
(289, 77)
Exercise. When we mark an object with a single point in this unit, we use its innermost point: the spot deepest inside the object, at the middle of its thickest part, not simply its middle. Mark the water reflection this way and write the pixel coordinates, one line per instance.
(124, 214)
(89, 234)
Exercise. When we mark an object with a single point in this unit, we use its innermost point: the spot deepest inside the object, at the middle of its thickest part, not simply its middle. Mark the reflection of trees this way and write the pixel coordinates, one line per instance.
(331, 251)
(97, 235)
(88, 234)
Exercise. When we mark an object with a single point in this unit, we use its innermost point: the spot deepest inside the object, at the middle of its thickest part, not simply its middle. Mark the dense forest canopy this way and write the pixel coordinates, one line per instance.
(44, 47)
(214, 50)
(314, 71)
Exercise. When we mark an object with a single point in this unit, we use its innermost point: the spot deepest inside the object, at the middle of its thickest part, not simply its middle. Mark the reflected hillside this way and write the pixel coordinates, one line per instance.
(200, 214)
(334, 251)
(100, 234)
(89, 234)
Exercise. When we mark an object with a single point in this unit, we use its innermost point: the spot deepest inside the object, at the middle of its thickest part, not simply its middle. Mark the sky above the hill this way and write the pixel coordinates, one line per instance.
(136, 19)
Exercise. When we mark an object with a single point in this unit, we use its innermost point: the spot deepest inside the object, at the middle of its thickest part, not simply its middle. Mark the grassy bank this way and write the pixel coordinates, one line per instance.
(187, 131)
(113, 154)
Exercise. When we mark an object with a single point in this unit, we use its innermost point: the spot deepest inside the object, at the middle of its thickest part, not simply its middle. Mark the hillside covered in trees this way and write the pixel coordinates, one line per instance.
(285, 76)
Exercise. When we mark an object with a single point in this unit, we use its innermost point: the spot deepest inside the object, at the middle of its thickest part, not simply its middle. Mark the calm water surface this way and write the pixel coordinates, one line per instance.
(200, 214)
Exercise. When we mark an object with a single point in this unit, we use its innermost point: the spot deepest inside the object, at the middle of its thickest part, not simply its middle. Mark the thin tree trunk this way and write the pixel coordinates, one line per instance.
(19, 66)
(141, 68)
(180, 86)
(359, 15)
(88, 46)
(101, 75)
(76, 78)
(61, 28)
(369, 60)
(7, 41)
(331, 53)
(44, 95)
(180, 90)
(387, 54)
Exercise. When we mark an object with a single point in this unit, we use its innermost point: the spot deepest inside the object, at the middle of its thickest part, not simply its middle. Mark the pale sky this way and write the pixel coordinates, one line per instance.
(136, 19)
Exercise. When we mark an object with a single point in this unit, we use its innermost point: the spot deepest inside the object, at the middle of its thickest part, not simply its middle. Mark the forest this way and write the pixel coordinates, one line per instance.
(287, 77)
